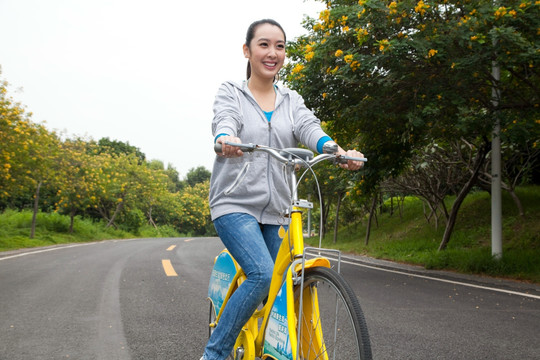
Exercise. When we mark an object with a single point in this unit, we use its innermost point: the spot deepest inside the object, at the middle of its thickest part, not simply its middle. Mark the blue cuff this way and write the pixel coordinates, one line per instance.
(321, 142)
(219, 135)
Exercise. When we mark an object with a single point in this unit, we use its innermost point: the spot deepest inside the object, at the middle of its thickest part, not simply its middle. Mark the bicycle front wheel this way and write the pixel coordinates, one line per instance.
(332, 324)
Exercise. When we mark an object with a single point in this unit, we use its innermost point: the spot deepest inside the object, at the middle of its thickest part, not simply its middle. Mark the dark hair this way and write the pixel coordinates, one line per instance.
(251, 33)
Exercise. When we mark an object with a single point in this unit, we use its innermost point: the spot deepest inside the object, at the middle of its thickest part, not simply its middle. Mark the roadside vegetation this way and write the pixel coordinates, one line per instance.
(54, 229)
(408, 238)
(399, 234)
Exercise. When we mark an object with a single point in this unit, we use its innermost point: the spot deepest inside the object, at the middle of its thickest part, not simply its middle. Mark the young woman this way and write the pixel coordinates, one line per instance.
(248, 193)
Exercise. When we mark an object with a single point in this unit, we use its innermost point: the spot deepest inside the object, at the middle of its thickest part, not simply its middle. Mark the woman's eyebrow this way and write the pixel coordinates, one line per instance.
(268, 40)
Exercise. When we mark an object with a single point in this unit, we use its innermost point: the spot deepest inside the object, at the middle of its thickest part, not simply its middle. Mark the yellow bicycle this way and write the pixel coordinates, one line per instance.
(311, 312)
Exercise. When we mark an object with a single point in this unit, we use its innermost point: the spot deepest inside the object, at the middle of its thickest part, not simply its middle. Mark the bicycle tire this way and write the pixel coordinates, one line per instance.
(331, 309)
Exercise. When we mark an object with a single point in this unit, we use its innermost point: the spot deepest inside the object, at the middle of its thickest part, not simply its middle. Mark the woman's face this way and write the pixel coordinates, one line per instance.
(266, 52)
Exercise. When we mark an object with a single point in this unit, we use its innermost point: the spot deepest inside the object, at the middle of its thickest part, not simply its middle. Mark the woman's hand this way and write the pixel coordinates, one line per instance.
(351, 165)
(229, 151)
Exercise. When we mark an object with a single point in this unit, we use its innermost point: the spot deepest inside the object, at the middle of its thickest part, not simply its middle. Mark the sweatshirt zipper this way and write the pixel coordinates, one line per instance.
(268, 170)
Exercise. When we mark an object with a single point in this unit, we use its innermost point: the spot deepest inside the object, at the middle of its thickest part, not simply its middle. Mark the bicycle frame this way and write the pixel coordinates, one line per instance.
(289, 269)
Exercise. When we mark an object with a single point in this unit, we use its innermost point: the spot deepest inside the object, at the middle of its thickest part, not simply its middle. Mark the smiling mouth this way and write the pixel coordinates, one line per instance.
(270, 65)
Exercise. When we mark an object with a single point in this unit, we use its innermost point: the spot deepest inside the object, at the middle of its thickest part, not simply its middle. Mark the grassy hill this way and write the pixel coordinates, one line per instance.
(410, 239)
(53, 229)
(407, 238)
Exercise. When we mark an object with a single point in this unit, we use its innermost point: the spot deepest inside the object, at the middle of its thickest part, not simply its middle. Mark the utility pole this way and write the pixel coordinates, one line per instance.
(496, 201)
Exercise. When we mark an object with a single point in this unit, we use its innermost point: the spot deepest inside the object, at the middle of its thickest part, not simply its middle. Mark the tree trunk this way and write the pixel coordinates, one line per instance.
(401, 204)
(150, 220)
(324, 211)
(518, 203)
(371, 213)
(36, 208)
(480, 157)
(71, 219)
(116, 212)
(336, 222)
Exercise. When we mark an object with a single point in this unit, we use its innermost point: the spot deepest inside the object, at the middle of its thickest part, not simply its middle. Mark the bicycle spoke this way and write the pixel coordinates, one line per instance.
(332, 326)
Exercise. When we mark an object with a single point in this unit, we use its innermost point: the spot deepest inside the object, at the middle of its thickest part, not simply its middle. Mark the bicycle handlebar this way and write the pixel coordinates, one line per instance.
(290, 155)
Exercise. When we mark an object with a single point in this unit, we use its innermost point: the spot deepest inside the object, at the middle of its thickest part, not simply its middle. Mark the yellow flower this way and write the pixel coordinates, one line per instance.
(361, 35)
(500, 12)
(432, 52)
(324, 95)
(361, 13)
(339, 53)
(384, 45)
(348, 58)
(421, 7)
(392, 7)
(473, 38)
(325, 15)
(309, 56)
(297, 68)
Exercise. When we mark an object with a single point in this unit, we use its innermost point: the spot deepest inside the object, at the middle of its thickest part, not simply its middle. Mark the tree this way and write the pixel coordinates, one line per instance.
(14, 121)
(116, 147)
(28, 151)
(197, 175)
(436, 171)
(390, 77)
(74, 182)
(196, 214)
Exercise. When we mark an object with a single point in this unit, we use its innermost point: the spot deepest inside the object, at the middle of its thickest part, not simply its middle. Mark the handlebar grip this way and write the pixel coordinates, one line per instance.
(342, 159)
(218, 147)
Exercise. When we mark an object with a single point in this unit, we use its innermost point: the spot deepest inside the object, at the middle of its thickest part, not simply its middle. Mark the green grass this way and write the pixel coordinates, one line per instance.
(409, 239)
(53, 228)
(412, 240)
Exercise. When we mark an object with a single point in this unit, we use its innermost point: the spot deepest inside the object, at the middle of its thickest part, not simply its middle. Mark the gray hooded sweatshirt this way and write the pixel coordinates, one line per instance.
(255, 183)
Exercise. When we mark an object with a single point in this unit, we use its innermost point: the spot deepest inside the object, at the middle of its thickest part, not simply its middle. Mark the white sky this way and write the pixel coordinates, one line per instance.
(143, 72)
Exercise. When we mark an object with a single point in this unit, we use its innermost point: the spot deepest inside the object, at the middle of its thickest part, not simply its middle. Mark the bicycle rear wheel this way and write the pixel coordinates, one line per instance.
(332, 325)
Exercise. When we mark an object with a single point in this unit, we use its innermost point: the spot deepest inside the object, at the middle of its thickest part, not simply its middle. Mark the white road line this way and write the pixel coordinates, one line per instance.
(442, 280)
(44, 250)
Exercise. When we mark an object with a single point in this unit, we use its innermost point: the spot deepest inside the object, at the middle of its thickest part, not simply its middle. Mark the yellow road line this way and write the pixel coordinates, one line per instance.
(188, 240)
(171, 248)
(167, 266)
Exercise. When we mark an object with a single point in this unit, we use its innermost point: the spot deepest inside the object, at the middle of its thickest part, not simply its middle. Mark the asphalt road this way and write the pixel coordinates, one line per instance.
(146, 299)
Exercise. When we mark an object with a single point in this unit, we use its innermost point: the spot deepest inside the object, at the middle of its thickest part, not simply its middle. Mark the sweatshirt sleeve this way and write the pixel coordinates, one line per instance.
(307, 126)
(227, 114)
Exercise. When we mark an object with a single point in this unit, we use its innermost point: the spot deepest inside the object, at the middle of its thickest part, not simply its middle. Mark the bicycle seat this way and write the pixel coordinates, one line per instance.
(295, 153)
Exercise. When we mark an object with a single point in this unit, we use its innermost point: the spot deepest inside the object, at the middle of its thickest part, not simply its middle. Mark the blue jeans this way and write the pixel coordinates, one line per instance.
(254, 247)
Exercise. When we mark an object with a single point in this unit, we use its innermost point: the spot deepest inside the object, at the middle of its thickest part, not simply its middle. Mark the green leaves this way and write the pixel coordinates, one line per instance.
(387, 76)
